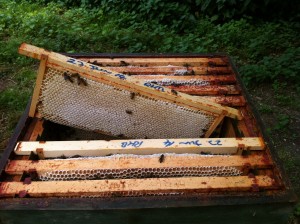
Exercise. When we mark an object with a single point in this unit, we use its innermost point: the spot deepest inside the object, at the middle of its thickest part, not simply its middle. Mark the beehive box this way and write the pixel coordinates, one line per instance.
(49, 166)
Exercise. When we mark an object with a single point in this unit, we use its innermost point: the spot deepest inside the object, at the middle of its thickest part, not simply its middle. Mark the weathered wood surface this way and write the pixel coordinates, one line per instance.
(17, 167)
(37, 88)
(135, 186)
(166, 70)
(200, 80)
(208, 90)
(184, 62)
(226, 100)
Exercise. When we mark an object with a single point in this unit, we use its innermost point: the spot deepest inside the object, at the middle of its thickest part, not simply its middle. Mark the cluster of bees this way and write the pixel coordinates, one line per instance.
(70, 78)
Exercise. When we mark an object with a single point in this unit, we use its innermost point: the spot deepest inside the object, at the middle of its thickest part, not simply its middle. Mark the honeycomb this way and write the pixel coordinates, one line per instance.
(133, 173)
(106, 109)
(168, 82)
(131, 194)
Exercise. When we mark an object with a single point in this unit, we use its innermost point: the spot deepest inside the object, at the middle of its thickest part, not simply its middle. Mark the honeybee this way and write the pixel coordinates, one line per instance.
(128, 111)
(186, 65)
(174, 92)
(132, 95)
(67, 77)
(81, 81)
(162, 158)
(123, 63)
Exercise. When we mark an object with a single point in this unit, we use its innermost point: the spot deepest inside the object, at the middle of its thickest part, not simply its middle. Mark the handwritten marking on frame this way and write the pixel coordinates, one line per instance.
(168, 143)
(215, 142)
(135, 144)
(194, 142)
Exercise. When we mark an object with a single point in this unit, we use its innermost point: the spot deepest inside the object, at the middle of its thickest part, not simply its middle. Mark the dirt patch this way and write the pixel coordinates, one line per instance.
(279, 110)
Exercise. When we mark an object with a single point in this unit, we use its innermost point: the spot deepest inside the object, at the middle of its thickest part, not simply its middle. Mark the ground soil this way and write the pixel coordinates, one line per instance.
(286, 139)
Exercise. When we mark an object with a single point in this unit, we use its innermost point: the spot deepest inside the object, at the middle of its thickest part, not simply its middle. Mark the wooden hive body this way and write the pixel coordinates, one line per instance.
(234, 165)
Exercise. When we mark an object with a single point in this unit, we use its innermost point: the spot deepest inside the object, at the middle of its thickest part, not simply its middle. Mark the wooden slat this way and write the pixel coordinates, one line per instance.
(16, 167)
(139, 146)
(207, 90)
(226, 100)
(215, 124)
(184, 62)
(89, 71)
(151, 185)
(37, 131)
(200, 80)
(169, 70)
(37, 88)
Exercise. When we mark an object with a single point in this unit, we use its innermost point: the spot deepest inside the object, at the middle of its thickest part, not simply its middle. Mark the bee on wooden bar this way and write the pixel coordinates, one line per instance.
(186, 65)
(123, 63)
(162, 158)
(174, 92)
(67, 77)
(132, 95)
(128, 111)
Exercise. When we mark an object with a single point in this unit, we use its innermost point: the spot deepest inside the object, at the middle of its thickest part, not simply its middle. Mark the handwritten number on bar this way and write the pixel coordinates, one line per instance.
(135, 144)
(153, 86)
(72, 61)
(80, 63)
(168, 143)
(215, 142)
(195, 142)
(93, 67)
(120, 76)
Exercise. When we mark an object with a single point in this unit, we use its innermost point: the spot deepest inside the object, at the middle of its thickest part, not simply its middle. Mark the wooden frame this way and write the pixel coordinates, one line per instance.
(37, 88)
(202, 79)
(122, 81)
(127, 187)
(167, 70)
(17, 167)
(139, 146)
